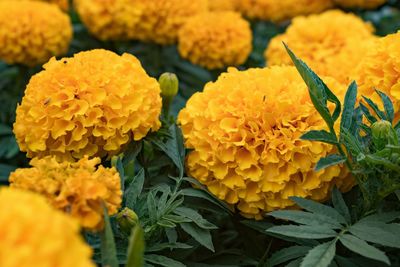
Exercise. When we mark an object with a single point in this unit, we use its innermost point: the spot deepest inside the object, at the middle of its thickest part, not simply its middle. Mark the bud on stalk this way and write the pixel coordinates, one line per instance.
(383, 134)
(169, 84)
(127, 219)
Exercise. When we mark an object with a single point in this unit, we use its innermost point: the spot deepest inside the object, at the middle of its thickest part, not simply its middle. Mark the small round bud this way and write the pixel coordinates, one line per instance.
(169, 84)
(383, 134)
(127, 219)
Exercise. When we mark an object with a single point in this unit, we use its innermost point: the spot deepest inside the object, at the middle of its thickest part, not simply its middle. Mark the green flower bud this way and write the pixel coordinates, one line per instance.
(383, 134)
(169, 84)
(127, 219)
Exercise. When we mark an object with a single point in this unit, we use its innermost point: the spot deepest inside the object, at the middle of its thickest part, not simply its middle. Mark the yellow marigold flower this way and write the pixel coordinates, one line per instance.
(380, 69)
(32, 32)
(216, 39)
(110, 19)
(278, 10)
(244, 131)
(34, 234)
(360, 3)
(63, 4)
(147, 20)
(331, 43)
(90, 104)
(222, 5)
(78, 188)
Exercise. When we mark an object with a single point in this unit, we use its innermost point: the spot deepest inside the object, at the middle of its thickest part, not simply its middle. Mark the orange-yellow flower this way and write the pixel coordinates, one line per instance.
(34, 234)
(216, 39)
(278, 10)
(244, 132)
(222, 5)
(32, 32)
(79, 189)
(380, 69)
(91, 104)
(331, 43)
(63, 4)
(146, 20)
(360, 3)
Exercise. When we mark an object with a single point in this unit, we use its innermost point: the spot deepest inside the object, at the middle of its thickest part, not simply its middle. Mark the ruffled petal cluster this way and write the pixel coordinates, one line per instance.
(278, 10)
(244, 132)
(380, 69)
(34, 234)
(79, 188)
(91, 104)
(332, 43)
(222, 5)
(146, 20)
(110, 19)
(31, 32)
(63, 4)
(216, 39)
(370, 4)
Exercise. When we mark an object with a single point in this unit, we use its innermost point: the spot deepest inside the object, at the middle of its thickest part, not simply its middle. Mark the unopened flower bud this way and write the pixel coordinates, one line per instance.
(127, 219)
(169, 84)
(383, 134)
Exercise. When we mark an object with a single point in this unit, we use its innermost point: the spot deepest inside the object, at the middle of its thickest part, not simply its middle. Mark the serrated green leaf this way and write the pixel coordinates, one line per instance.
(203, 236)
(134, 189)
(348, 106)
(303, 231)
(259, 226)
(319, 92)
(367, 113)
(294, 263)
(152, 207)
(322, 136)
(340, 204)
(387, 104)
(195, 217)
(385, 217)
(192, 192)
(374, 232)
(163, 246)
(375, 108)
(163, 261)
(287, 254)
(319, 208)
(136, 248)
(306, 218)
(363, 248)
(166, 223)
(329, 161)
(108, 248)
(320, 256)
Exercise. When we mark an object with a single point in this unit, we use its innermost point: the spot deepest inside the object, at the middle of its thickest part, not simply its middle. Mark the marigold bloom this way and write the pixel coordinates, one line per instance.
(331, 43)
(278, 10)
(360, 3)
(380, 69)
(63, 4)
(244, 131)
(77, 188)
(34, 234)
(32, 32)
(90, 104)
(222, 5)
(216, 39)
(147, 20)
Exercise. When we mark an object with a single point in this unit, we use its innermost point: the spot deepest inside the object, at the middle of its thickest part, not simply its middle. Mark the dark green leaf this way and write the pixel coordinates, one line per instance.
(319, 92)
(322, 136)
(259, 226)
(136, 248)
(319, 208)
(195, 217)
(163, 261)
(361, 247)
(348, 106)
(306, 218)
(340, 204)
(374, 232)
(367, 113)
(108, 248)
(329, 161)
(294, 263)
(166, 223)
(320, 256)
(303, 231)
(202, 236)
(152, 207)
(382, 217)
(5, 171)
(375, 108)
(131, 152)
(388, 105)
(287, 254)
(163, 246)
(134, 189)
